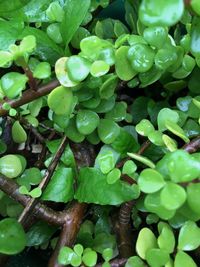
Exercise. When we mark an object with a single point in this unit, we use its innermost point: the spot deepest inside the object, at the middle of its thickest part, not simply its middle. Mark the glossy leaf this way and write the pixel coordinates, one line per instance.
(179, 166)
(108, 131)
(123, 66)
(189, 236)
(165, 115)
(99, 68)
(61, 73)
(74, 13)
(141, 57)
(60, 188)
(113, 176)
(12, 237)
(60, 100)
(150, 181)
(90, 179)
(42, 70)
(183, 258)
(172, 196)
(10, 166)
(13, 83)
(161, 13)
(86, 121)
(157, 257)
(146, 240)
(78, 68)
(18, 133)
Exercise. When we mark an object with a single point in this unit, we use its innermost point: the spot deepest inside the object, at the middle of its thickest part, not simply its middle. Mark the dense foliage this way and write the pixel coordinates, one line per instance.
(100, 131)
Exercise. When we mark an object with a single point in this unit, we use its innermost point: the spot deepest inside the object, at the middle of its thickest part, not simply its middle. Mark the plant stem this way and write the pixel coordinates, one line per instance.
(32, 202)
(40, 211)
(28, 96)
(73, 220)
(193, 146)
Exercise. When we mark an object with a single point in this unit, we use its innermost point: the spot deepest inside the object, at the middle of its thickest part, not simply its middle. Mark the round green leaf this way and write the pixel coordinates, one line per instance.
(172, 196)
(157, 257)
(86, 121)
(99, 68)
(150, 181)
(28, 44)
(123, 66)
(155, 36)
(18, 133)
(65, 255)
(60, 100)
(161, 13)
(144, 127)
(113, 176)
(107, 55)
(129, 167)
(78, 249)
(108, 131)
(195, 4)
(78, 68)
(193, 197)
(165, 115)
(166, 239)
(146, 240)
(141, 57)
(62, 74)
(183, 259)
(12, 237)
(5, 58)
(156, 138)
(134, 261)
(189, 236)
(42, 70)
(107, 254)
(107, 88)
(90, 258)
(153, 204)
(118, 113)
(10, 166)
(55, 12)
(13, 83)
(179, 166)
(72, 132)
(165, 58)
(53, 31)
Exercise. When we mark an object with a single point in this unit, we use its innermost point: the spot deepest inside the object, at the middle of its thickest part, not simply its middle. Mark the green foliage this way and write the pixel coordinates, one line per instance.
(127, 97)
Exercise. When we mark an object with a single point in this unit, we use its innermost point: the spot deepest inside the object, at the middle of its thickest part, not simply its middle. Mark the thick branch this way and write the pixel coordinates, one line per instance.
(32, 202)
(29, 95)
(69, 231)
(42, 212)
(193, 146)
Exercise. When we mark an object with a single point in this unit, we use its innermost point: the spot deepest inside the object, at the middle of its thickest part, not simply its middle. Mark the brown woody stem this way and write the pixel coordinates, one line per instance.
(28, 96)
(32, 202)
(40, 211)
(193, 146)
(69, 231)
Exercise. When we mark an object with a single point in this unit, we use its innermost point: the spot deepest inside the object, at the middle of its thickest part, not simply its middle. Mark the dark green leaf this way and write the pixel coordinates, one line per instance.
(75, 11)
(60, 188)
(91, 179)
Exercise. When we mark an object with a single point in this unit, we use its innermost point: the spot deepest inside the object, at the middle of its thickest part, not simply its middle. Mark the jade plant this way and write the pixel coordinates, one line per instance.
(100, 132)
